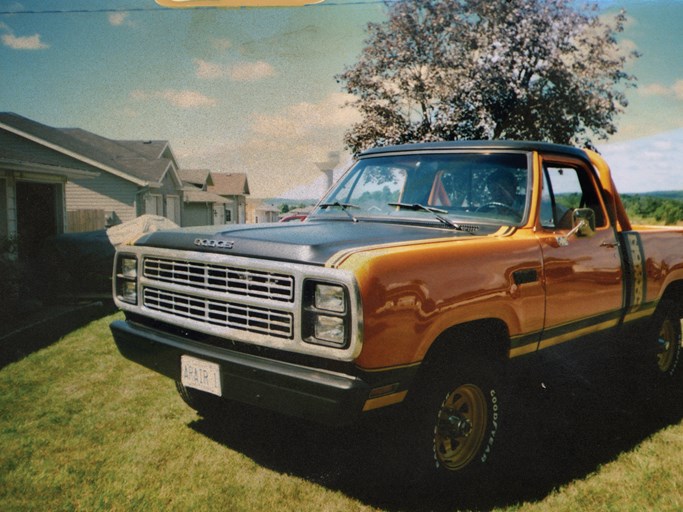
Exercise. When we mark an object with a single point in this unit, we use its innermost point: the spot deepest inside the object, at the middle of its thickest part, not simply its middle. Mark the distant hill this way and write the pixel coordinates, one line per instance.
(676, 195)
(657, 207)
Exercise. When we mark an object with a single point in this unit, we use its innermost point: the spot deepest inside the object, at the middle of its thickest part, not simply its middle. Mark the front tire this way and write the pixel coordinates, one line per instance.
(464, 428)
(457, 419)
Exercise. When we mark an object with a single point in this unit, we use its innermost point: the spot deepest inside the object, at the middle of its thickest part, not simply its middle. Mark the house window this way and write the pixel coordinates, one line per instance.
(228, 215)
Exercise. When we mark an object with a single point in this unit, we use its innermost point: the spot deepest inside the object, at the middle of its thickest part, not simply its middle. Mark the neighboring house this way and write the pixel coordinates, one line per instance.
(34, 175)
(233, 187)
(119, 181)
(259, 212)
(201, 208)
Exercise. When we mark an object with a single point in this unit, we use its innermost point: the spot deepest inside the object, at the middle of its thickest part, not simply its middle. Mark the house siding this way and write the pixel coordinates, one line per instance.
(114, 195)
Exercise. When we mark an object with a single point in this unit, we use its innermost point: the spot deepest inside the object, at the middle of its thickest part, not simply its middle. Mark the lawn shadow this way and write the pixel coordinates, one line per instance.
(31, 332)
(576, 418)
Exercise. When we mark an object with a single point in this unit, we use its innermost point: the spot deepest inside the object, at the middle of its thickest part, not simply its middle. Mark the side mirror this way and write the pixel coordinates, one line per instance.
(583, 225)
(583, 222)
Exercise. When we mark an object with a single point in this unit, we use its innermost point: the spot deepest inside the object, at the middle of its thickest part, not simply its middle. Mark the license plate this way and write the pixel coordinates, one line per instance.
(202, 375)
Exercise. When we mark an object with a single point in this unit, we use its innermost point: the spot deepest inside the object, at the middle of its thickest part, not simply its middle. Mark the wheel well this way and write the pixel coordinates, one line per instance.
(674, 292)
(486, 340)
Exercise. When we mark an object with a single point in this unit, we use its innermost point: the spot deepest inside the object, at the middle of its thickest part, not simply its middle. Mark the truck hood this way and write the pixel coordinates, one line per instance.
(311, 242)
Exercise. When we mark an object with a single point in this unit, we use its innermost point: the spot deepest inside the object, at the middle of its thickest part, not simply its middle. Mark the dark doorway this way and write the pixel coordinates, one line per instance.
(36, 217)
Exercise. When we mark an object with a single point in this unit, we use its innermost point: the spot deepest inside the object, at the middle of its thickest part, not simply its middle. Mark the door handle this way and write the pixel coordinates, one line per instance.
(610, 245)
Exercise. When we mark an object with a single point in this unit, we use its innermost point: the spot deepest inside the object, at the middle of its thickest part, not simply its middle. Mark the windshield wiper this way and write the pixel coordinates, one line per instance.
(343, 206)
(437, 215)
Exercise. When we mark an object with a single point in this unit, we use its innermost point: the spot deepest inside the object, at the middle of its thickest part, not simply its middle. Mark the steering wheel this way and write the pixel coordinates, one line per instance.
(499, 208)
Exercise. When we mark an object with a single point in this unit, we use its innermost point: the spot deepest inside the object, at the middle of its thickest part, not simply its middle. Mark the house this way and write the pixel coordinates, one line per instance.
(201, 208)
(233, 187)
(56, 179)
(260, 212)
(34, 172)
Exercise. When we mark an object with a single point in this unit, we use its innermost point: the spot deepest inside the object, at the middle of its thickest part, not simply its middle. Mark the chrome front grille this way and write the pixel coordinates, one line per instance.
(231, 300)
(237, 316)
(221, 278)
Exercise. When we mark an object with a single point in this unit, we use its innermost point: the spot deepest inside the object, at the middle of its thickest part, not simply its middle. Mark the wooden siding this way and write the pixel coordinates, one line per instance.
(115, 196)
(85, 220)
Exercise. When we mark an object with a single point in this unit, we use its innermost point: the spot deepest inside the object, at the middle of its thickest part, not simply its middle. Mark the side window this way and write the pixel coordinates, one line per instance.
(566, 188)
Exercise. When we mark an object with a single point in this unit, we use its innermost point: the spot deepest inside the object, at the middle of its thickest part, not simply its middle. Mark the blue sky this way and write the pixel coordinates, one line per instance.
(253, 90)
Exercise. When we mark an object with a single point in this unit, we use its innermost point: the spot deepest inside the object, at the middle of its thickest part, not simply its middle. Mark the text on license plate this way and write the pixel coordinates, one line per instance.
(198, 374)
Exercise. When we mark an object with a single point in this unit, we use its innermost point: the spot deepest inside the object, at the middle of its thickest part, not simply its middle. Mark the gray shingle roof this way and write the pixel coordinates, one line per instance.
(196, 177)
(14, 148)
(139, 161)
(194, 195)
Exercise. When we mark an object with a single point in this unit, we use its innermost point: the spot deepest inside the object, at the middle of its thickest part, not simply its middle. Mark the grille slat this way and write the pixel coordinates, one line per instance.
(242, 317)
(238, 281)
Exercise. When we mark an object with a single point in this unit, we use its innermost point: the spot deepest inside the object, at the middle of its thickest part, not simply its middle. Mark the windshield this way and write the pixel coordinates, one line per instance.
(486, 188)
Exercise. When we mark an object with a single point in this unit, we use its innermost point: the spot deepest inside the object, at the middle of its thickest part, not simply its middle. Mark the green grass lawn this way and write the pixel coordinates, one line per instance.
(82, 428)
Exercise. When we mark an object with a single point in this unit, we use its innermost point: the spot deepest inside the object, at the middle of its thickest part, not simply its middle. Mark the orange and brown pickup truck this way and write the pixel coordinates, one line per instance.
(423, 276)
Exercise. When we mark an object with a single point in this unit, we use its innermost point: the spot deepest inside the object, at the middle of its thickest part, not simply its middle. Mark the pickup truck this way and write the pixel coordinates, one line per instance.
(420, 280)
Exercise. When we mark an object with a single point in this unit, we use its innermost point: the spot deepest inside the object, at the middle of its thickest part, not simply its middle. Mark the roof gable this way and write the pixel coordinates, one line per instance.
(234, 184)
(197, 177)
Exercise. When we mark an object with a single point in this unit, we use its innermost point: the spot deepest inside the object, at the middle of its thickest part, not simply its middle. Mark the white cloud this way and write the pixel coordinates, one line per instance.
(282, 150)
(33, 42)
(184, 99)
(306, 119)
(656, 89)
(208, 70)
(251, 71)
(647, 164)
(243, 72)
(118, 19)
(678, 89)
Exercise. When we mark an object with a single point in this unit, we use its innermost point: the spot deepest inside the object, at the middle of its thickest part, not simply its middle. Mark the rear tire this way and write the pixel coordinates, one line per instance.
(664, 350)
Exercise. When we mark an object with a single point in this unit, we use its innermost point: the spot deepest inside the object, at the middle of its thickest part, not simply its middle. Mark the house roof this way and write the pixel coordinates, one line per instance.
(192, 194)
(234, 184)
(126, 156)
(148, 148)
(196, 177)
(131, 160)
(14, 148)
